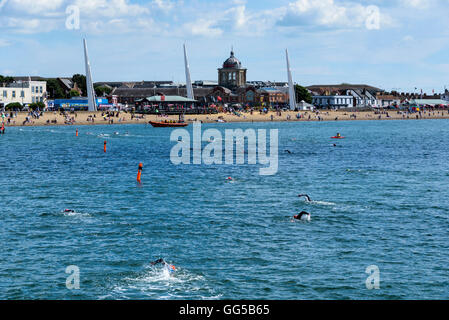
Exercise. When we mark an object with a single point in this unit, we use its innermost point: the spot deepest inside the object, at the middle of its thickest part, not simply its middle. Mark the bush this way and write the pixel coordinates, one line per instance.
(37, 105)
(15, 106)
(74, 93)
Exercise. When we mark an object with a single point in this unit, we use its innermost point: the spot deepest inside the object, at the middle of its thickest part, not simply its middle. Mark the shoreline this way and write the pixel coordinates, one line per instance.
(80, 119)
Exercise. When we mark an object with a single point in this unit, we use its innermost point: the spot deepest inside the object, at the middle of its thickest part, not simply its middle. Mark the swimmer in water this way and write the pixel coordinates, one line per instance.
(288, 151)
(69, 210)
(303, 215)
(306, 196)
(170, 267)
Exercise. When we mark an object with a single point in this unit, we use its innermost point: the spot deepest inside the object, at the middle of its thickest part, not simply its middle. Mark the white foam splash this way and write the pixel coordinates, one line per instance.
(76, 214)
(161, 283)
(323, 203)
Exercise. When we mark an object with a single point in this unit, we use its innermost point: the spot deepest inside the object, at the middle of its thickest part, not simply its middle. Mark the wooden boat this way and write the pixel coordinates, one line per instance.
(168, 124)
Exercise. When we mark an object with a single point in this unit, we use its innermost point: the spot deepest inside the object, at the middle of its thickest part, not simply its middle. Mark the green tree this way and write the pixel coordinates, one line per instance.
(37, 105)
(302, 94)
(101, 91)
(14, 106)
(54, 89)
(74, 93)
(6, 79)
(80, 81)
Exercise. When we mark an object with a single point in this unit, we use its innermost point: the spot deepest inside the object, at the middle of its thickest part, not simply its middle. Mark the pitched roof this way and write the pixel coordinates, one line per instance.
(148, 92)
(169, 99)
(343, 86)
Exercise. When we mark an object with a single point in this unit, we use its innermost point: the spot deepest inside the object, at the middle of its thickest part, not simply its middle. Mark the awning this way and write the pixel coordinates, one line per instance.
(168, 99)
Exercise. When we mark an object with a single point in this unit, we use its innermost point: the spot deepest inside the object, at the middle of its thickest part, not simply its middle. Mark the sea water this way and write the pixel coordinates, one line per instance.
(379, 198)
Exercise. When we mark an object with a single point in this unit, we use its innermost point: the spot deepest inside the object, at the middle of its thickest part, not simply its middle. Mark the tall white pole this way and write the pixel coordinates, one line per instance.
(189, 87)
(291, 88)
(92, 106)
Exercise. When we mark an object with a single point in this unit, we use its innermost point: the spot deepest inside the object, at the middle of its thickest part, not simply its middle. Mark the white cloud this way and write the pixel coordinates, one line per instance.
(328, 13)
(415, 3)
(29, 26)
(164, 5)
(203, 27)
(35, 6)
(109, 8)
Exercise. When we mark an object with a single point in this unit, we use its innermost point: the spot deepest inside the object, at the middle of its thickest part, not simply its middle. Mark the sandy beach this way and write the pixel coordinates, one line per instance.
(85, 118)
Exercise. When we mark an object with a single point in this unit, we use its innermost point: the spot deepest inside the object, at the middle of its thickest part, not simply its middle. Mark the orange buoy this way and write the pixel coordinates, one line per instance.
(104, 148)
(139, 172)
(77, 132)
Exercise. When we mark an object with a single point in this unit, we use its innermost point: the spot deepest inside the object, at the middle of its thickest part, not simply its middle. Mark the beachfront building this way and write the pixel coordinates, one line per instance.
(232, 75)
(387, 100)
(364, 96)
(333, 102)
(273, 97)
(78, 104)
(428, 102)
(23, 92)
(130, 96)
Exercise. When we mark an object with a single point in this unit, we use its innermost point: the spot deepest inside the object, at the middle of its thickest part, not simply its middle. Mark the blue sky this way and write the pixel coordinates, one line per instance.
(396, 44)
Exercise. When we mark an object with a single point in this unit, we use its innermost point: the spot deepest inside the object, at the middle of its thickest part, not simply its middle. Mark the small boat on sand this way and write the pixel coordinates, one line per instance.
(168, 124)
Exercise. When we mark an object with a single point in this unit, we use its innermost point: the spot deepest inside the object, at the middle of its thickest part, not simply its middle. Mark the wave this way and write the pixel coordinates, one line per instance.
(76, 214)
(159, 283)
(322, 203)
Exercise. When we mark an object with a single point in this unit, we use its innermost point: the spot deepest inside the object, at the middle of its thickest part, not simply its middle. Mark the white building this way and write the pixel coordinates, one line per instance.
(333, 102)
(386, 100)
(23, 92)
(363, 98)
(445, 96)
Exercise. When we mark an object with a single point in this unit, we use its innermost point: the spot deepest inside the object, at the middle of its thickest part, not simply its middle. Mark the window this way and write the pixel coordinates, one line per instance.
(33, 101)
(22, 94)
(13, 94)
(32, 89)
(40, 90)
(5, 93)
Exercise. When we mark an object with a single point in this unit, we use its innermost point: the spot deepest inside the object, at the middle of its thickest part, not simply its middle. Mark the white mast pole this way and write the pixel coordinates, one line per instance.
(189, 87)
(291, 88)
(92, 106)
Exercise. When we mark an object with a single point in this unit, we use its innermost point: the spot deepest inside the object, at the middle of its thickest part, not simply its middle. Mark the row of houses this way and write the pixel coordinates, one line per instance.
(27, 90)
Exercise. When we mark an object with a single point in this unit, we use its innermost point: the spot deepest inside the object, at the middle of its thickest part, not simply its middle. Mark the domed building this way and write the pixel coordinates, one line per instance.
(232, 75)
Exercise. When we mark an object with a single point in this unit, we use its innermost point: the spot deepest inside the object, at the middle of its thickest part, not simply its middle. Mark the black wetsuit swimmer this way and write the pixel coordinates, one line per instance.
(171, 267)
(158, 261)
(69, 210)
(301, 214)
(305, 195)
